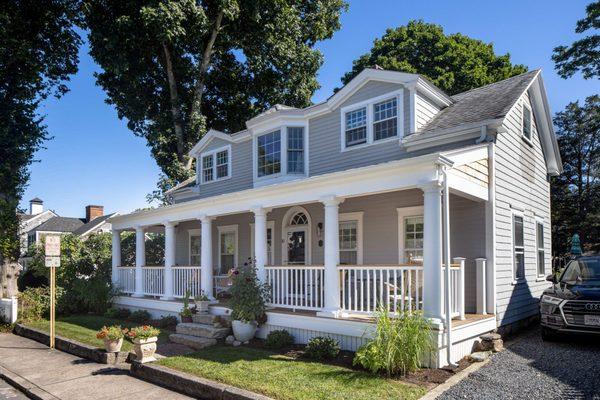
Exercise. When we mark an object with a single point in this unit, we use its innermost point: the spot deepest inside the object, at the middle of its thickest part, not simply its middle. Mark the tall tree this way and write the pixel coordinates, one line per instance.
(38, 52)
(455, 62)
(172, 68)
(582, 55)
(576, 193)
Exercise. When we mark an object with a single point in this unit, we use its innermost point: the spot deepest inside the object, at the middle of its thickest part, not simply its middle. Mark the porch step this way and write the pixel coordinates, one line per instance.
(218, 321)
(202, 330)
(194, 342)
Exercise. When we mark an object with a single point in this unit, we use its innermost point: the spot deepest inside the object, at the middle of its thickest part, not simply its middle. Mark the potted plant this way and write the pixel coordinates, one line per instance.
(144, 340)
(248, 301)
(112, 337)
(202, 301)
(186, 312)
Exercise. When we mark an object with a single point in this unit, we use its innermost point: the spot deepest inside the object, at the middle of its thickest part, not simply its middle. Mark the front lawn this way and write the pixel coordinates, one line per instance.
(283, 377)
(83, 328)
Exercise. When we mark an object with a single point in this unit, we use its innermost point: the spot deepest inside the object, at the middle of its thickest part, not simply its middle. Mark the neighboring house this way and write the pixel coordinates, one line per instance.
(341, 204)
(40, 223)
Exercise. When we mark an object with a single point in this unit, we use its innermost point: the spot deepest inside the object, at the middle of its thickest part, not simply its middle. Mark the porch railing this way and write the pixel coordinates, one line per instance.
(153, 279)
(186, 278)
(296, 286)
(126, 283)
(457, 289)
(365, 288)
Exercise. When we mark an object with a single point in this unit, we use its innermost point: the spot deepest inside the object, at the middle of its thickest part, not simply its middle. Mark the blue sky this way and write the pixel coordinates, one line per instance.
(94, 159)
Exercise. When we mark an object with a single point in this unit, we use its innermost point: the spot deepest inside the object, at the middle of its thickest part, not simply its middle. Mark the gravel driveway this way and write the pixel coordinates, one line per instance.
(532, 369)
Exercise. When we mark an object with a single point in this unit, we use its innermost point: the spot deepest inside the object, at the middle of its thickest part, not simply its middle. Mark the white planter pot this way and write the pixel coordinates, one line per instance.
(113, 346)
(202, 306)
(244, 331)
(144, 349)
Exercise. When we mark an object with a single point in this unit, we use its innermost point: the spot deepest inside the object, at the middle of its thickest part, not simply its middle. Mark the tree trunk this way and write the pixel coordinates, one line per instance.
(175, 106)
(9, 272)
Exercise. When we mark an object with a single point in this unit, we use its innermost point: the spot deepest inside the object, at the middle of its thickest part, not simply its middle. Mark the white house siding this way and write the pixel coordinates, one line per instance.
(521, 184)
(425, 110)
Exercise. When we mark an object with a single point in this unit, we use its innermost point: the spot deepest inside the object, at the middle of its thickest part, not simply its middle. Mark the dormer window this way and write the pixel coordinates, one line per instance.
(295, 150)
(269, 153)
(215, 165)
(280, 154)
(372, 121)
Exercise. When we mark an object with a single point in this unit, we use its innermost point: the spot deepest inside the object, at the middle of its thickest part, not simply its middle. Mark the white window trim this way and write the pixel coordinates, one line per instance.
(193, 232)
(283, 174)
(398, 94)
(271, 226)
(355, 216)
(213, 154)
(403, 212)
(517, 213)
(228, 229)
(540, 220)
(523, 107)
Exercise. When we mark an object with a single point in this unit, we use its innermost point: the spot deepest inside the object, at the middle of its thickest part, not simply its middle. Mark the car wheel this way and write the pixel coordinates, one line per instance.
(548, 335)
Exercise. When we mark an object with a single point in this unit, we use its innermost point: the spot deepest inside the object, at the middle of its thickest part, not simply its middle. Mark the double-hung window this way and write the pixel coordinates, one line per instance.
(385, 119)
(356, 127)
(295, 150)
(413, 238)
(268, 149)
(518, 247)
(349, 242)
(195, 246)
(526, 122)
(215, 165)
(541, 262)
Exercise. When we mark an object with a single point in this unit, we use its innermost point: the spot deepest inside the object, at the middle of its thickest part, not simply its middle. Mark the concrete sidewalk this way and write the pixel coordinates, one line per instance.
(54, 375)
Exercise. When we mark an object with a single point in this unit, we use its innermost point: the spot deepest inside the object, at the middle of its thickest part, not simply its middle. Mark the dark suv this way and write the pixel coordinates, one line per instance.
(572, 304)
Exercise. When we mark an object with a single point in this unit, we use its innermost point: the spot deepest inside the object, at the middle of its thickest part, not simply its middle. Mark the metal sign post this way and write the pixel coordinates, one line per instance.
(52, 260)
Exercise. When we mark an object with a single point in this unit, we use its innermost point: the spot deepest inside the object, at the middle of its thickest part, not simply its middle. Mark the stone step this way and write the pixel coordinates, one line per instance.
(194, 342)
(202, 330)
(218, 321)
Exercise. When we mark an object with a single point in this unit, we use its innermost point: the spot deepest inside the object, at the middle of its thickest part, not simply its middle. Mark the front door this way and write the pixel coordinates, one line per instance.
(296, 246)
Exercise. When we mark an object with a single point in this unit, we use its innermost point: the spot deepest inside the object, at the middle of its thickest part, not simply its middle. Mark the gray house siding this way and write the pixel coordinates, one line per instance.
(521, 185)
(425, 110)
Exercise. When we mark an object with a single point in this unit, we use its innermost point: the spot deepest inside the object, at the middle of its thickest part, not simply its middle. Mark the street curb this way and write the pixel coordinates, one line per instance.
(190, 385)
(72, 347)
(27, 387)
(453, 380)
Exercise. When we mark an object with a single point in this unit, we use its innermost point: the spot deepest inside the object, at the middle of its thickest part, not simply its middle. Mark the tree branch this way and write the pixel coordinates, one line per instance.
(175, 106)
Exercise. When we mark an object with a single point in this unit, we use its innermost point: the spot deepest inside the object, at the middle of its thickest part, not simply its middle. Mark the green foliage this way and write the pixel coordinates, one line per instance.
(169, 321)
(322, 348)
(398, 345)
(34, 303)
(576, 192)
(141, 332)
(6, 328)
(584, 54)
(155, 248)
(454, 63)
(279, 339)
(38, 53)
(248, 295)
(140, 316)
(187, 65)
(111, 333)
(117, 313)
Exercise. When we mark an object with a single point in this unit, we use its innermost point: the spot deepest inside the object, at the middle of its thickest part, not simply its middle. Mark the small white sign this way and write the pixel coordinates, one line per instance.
(52, 262)
(52, 246)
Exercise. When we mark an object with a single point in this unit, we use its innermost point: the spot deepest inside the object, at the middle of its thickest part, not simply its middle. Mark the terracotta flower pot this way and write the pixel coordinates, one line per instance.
(244, 331)
(113, 346)
(144, 349)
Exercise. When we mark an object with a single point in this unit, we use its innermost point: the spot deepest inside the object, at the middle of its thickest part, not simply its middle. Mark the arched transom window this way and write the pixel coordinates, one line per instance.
(299, 219)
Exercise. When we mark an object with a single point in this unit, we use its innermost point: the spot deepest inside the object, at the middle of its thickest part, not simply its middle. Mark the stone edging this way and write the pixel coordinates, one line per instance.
(191, 385)
(453, 380)
(71, 346)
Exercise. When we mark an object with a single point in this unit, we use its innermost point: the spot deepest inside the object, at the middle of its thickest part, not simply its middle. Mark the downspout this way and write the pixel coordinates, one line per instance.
(446, 251)
(483, 135)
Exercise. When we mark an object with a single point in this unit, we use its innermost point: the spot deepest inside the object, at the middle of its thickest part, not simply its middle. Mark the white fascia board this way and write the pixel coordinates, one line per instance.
(465, 188)
(444, 136)
(433, 92)
(395, 175)
(212, 134)
(467, 155)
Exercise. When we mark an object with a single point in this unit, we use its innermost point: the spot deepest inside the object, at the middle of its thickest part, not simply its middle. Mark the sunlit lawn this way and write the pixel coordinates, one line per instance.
(282, 377)
(83, 328)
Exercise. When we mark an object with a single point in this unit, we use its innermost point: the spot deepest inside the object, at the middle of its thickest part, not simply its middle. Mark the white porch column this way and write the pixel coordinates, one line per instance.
(206, 249)
(140, 260)
(432, 251)
(260, 241)
(332, 257)
(169, 259)
(480, 285)
(116, 256)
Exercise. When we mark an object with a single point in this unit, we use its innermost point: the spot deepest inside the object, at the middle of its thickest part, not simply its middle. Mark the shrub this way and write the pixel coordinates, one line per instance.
(140, 316)
(117, 313)
(279, 339)
(166, 321)
(34, 303)
(398, 345)
(248, 294)
(141, 332)
(6, 328)
(322, 348)
(111, 333)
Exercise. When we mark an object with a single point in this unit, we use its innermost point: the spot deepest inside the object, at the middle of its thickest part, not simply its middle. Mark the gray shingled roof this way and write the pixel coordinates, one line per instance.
(60, 224)
(25, 217)
(92, 224)
(485, 103)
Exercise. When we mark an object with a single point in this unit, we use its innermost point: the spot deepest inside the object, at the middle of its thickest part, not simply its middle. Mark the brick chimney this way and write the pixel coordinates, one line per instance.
(92, 212)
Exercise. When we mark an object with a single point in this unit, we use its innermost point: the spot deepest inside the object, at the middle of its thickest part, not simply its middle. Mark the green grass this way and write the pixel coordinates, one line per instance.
(282, 377)
(83, 328)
